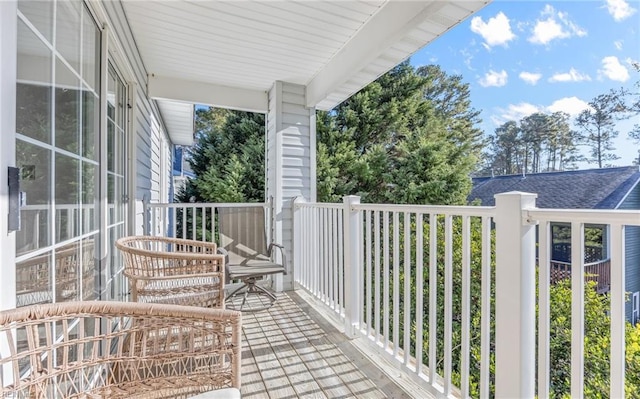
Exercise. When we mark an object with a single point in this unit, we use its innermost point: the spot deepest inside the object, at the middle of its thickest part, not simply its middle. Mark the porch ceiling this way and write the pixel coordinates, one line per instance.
(229, 53)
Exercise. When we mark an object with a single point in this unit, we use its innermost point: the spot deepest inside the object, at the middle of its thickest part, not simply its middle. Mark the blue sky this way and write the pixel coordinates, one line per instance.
(521, 57)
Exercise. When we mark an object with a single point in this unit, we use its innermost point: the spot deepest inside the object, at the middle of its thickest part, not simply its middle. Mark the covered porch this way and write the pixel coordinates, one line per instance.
(364, 266)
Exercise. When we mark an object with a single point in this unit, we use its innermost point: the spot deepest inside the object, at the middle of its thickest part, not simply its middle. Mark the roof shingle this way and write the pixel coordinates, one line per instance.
(576, 189)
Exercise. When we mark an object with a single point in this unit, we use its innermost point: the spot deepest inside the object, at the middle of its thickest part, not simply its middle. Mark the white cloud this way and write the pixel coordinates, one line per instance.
(572, 76)
(619, 9)
(618, 44)
(530, 77)
(571, 105)
(495, 32)
(613, 69)
(514, 112)
(493, 78)
(554, 26)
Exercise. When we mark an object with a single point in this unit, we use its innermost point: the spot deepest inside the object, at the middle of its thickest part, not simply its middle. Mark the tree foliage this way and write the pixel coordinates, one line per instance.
(537, 143)
(597, 344)
(227, 157)
(598, 127)
(408, 137)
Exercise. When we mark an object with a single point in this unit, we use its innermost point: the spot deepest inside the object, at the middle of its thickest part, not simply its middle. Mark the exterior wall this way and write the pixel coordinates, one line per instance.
(290, 158)
(8, 51)
(148, 156)
(632, 249)
(150, 139)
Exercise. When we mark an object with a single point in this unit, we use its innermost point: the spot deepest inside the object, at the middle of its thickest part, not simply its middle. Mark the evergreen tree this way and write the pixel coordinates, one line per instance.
(409, 136)
(227, 157)
(598, 128)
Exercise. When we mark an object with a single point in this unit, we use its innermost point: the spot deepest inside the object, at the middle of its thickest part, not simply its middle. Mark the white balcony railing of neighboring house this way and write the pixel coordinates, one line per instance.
(476, 295)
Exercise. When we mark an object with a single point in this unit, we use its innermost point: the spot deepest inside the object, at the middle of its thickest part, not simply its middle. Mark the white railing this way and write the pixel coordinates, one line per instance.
(448, 294)
(617, 222)
(402, 277)
(381, 269)
(196, 221)
(319, 260)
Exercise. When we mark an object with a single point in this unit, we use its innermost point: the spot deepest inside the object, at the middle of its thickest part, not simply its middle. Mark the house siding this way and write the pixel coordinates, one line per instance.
(290, 155)
(632, 248)
(150, 140)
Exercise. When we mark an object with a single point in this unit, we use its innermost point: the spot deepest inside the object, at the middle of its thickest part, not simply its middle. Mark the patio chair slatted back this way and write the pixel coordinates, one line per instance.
(243, 234)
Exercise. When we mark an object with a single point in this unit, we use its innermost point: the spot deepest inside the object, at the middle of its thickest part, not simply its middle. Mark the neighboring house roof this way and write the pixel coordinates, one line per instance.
(576, 189)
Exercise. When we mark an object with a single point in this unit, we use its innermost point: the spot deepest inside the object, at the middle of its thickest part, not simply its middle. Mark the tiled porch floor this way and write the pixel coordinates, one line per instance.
(289, 351)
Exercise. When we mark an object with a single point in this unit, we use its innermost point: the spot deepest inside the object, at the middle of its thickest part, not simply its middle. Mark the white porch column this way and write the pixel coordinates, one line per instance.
(8, 55)
(515, 296)
(291, 162)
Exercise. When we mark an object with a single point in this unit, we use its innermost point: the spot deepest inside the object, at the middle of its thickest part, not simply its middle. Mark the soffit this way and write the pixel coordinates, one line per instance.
(334, 48)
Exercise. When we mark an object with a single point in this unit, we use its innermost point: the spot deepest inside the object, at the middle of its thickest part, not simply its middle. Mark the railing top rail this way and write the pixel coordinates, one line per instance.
(318, 205)
(587, 216)
(603, 261)
(208, 204)
(428, 209)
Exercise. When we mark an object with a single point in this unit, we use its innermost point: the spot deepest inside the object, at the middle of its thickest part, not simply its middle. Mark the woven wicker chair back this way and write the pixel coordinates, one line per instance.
(100, 349)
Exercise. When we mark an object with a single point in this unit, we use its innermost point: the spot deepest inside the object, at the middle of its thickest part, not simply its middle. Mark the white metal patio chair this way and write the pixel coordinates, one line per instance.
(249, 258)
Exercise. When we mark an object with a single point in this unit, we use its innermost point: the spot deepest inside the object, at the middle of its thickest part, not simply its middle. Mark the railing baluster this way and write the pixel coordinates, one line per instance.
(407, 288)
(376, 306)
(336, 264)
(485, 327)
(341, 256)
(577, 310)
(396, 283)
(544, 312)
(368, 278)
(385, 279)
(419, 290)
(433, 296)
(448, 302)
(617, 310)
(466, 305)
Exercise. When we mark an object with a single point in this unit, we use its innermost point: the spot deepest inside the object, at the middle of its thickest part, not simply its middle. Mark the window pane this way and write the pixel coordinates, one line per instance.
(35, 169)
(111, 96)
(90, 124)
(68, 30)
(89, 197)
(90, 51)
(119, 285)
(111, 154)
(89, 272)
(67, 263)
(40, 14)
(32, 281)
(111, 199)
(67, 215)
(33, 91)
(67, 109)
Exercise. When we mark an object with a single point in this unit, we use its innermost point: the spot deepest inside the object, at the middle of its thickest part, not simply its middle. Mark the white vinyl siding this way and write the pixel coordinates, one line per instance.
(150, 133)
(290, 154)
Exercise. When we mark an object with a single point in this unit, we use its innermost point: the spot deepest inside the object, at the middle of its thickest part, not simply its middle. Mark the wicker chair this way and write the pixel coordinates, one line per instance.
(174, 271)
(95, 349)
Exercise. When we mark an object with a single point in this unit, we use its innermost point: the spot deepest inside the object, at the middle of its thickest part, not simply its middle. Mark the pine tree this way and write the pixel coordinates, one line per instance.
(598, 128)
(227, 158)
(408, 137)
